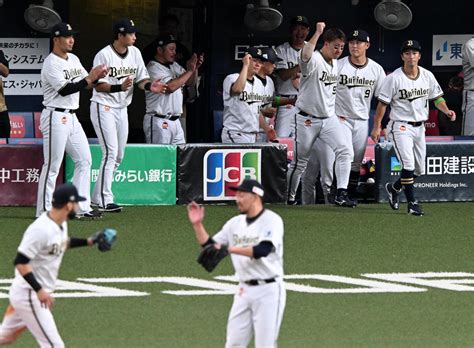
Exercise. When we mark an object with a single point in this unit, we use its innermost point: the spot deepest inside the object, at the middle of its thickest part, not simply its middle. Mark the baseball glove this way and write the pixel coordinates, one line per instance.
(105, 239)
(210, 256)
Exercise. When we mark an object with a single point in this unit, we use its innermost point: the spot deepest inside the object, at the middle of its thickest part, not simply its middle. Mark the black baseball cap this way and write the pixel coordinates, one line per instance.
(411, 45)
(270, 55)
(256, 52)
(299, 20)
(251, 186)
(124, 26)
(164, 40)
(359, 35)
(63, 30)
(66, 193)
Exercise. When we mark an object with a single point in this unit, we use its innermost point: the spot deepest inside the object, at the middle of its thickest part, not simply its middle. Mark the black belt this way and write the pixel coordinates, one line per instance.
(288, 95)
(254, 282)
(302, 113)
(71, 111)
(414, 124)
(168, 117)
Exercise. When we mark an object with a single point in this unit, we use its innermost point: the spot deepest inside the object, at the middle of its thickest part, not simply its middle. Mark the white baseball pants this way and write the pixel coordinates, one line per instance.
(308, 129)
(62, 132)
(256, 311)
(409, 144)
(111, 127)
(162, 131)
(25, 312)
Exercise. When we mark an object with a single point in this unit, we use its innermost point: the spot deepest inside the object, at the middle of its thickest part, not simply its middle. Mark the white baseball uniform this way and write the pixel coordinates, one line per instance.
(320, 163)
(257, 309)
(241, 112)
(468, 100)
(316, 118)
(285, 126)
(62, 131)
(44, 243)
(354, 91)
(109, 115)
(269, 94)
(161, 123)
(409, 102)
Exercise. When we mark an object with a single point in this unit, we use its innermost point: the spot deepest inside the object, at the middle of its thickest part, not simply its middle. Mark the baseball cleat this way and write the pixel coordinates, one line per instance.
(415, 209)
(111, 208)
(392, 196)
(291, 202)
(94, 205)
(92, 215)
(343, 200)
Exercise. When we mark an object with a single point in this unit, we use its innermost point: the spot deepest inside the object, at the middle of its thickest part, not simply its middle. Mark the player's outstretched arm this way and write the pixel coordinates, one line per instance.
(309, 47)
(105, 87)
(196, 217)
(104, 239)
(156, 86)
(96, 73)
(375, 134)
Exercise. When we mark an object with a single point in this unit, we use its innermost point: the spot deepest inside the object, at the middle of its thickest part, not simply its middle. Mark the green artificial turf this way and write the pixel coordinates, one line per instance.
(158, 242)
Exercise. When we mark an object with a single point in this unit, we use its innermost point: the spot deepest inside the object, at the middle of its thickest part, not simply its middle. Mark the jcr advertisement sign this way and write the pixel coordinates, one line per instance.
(207, 171)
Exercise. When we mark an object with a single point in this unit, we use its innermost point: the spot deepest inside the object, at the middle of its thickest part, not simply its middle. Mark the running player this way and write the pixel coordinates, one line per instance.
(37, 265)
(316, 114)
(408, 91)
(254, 239)
(109, 104)
(360, 78)
(63, 76)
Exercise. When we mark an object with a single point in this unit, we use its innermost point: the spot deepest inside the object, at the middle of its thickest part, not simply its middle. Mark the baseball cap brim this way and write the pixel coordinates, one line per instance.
(255, 190)
(80, 199)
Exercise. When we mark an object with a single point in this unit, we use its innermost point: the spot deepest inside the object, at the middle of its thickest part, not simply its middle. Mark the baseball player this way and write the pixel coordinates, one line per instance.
(270, 103)
(316, 114)
(37, 265)
(288, 74)
(4, 118)
(468, 100)
(360, 78)
(243, 95)
(255, 241)
(161, 123)
(408, 91)
(63, 77)
(109, 102)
